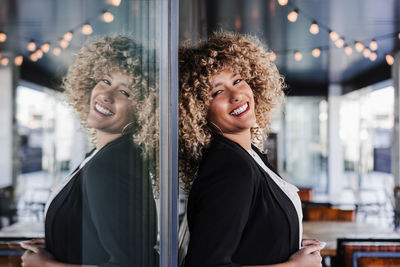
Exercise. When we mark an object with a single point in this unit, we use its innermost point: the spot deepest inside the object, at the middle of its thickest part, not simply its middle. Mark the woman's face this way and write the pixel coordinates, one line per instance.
(232, 103)
(110, 104)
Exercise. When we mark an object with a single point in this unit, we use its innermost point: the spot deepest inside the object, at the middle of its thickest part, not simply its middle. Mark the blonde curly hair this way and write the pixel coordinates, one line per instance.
(244, 55)
(103, 55)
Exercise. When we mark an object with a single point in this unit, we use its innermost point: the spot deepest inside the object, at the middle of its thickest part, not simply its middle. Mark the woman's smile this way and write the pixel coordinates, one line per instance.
(241, 110)
(103, 110)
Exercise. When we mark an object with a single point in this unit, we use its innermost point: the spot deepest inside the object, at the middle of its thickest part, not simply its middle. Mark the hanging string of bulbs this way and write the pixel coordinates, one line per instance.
(37, 52)
(369, 51)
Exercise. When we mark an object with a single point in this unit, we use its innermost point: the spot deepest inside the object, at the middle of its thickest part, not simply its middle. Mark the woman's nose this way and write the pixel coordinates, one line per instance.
(236, 95)
(107, 96)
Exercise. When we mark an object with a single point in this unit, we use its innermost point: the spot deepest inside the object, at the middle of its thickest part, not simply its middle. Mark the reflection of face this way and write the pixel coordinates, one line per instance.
(110, 104)
(232, 103)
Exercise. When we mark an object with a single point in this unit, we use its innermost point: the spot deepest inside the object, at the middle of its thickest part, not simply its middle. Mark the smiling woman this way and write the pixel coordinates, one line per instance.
(104, 213)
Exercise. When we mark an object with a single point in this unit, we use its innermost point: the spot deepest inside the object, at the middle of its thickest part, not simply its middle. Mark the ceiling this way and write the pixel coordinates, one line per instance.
(355, 20)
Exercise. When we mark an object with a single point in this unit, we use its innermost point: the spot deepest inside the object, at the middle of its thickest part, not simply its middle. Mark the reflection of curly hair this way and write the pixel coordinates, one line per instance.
(100, 57)
(240, 54)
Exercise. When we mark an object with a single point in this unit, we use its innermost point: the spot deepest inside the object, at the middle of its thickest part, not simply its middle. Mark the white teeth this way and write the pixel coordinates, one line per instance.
(240, 110)
(103, 110)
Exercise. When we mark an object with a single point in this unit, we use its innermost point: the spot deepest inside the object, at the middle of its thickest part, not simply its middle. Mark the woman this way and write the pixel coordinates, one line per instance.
(240, 212)
(104, 213)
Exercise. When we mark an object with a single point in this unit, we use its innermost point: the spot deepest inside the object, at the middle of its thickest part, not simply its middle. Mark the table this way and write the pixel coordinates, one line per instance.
(329, 232)
(22, 230)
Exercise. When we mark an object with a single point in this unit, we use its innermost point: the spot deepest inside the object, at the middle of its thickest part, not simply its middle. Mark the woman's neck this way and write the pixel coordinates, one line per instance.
(242, 138)
(105, 138)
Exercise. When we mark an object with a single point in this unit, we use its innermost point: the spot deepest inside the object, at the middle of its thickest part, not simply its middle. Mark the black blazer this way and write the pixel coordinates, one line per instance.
(106, 214)
(237, 215)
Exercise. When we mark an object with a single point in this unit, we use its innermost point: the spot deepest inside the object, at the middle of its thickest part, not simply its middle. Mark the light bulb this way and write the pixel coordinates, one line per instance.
(373, 45)
(33, 57)
(57, 51)
(366, 52)
(87, 29)
(272, 56)
(4, 61)
(45, 47)
(298, 56)
(389, 59)
(373, 56)
(314, 29)
(31, 46)
(339, 43)
(359, 46)
(316, 52)
(64, 43)
(333, 35)
(398, 35)
(283, 2)
(114, 2)
(18, 60)
(3, 37)
(68, 36)
(39, 53)
(292, 17)
(107, 17)
(348, 50)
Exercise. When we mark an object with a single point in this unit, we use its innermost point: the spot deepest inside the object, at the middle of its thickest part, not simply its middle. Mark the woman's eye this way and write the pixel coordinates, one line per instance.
(237, 81)
(106, 82)
(125, 93)
(217, 93)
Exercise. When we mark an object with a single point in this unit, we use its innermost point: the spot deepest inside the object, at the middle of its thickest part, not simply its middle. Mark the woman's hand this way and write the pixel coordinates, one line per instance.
(307, 256)
(35, 255)
(35, 242)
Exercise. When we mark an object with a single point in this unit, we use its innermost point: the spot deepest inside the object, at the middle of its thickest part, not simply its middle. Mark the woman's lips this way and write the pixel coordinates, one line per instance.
(102, 110)
(241, 110)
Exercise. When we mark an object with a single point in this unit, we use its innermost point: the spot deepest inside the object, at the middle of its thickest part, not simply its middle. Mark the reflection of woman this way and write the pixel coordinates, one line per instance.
(104, 213)
(240, 212)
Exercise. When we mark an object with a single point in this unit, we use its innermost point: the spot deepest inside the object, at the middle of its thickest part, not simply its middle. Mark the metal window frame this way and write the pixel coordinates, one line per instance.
(168, 12)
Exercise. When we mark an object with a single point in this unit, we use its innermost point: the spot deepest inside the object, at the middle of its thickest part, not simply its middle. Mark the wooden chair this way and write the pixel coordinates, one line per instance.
(305, 194)
(326, 213)
(10, 254)
(364, 252)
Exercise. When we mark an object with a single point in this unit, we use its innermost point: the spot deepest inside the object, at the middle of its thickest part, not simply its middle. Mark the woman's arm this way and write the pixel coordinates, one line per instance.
(37, 256)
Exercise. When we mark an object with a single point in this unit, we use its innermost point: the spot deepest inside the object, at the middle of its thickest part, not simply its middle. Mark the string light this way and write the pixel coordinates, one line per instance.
(3, 37)
(348, 50)
(45, 47)
(359, 46)
(68, 36)
(64, 43)
(366, 52)
(31, 46)
(292, 17)
(333, 35)
(18, 60)
(373, 56)
(107, 17)
(114, 2)
(314, 29)
(316, 52)
(4, 61)
(39, 53)
(389, 59)
(283, 2)
(87, 29)
(272, 56)
(373, 45)
(339, 43)
(57, 51)
(33, 57)
(298, 56)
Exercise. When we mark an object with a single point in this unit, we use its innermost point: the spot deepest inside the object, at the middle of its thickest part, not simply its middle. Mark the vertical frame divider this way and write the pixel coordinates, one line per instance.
(168, 84)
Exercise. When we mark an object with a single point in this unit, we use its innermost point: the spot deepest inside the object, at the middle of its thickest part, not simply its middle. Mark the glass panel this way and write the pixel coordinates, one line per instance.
(90, 84)
(303, 145)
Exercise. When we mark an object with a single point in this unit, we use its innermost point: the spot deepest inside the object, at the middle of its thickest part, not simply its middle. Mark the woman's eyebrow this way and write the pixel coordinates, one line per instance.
(112, 78)
(219, 83)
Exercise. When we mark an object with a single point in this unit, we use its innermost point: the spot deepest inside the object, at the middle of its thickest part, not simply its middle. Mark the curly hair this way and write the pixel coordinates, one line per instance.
(244, 55)
(103, 55)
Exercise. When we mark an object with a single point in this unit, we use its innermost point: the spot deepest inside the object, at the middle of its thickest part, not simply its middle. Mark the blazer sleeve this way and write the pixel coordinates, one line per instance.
(219, 207)
(118, 207)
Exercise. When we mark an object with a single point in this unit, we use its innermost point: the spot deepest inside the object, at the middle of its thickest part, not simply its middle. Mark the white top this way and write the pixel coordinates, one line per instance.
(58, 187)
(289, 189)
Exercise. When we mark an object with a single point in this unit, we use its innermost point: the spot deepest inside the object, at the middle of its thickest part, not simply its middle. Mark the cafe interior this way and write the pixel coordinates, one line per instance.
(336, 137)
